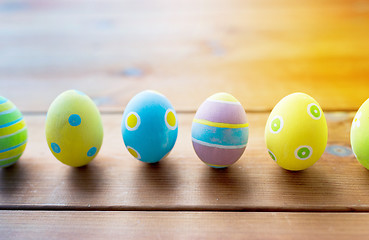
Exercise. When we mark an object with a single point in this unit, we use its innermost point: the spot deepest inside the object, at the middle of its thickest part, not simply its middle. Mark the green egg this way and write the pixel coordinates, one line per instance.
(13, 133)
(360, 134)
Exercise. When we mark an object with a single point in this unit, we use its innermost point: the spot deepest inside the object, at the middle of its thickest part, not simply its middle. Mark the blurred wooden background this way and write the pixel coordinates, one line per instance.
(258, 50)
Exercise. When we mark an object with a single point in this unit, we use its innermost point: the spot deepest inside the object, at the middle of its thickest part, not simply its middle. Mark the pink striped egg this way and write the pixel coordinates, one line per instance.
(220, 130)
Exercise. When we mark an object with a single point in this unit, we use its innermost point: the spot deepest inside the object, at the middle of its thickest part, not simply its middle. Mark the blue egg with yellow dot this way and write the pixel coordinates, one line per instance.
(149, 126)
(13, 133)
(74, 130)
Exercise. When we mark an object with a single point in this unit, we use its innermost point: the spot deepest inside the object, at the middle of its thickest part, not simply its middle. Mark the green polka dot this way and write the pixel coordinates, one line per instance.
(276, 124)
(303, 153)
(272, 155)
(314, 110)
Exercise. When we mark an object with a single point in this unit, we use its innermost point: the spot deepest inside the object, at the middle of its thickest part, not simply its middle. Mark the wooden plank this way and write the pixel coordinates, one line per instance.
(114, 180)
(182, 225)
(259, 51)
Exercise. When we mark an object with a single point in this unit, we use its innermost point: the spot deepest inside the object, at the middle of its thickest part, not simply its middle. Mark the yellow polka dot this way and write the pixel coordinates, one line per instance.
(133, 152)
(132, 121)
(171, 119)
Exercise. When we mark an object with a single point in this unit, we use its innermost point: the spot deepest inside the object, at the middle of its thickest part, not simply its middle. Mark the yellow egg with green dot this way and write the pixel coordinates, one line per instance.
(74, 130)
(296, 132)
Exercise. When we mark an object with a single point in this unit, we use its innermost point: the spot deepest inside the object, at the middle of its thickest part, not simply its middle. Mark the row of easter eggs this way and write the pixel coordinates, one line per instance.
(296, 131)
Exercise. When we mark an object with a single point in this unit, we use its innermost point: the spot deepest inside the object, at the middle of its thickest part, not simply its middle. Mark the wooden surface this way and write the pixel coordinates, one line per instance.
(116, 181)
(183, 225)
(257, 50)
(285, 203)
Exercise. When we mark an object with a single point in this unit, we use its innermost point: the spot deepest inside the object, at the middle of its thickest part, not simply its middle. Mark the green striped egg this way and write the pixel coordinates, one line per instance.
(13, 133)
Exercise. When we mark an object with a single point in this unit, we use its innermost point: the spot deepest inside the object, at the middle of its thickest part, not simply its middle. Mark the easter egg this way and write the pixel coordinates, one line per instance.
(360, 134)
(220, 130)
(74, 130)
(13, 133)
(296, 132)
(149, 126)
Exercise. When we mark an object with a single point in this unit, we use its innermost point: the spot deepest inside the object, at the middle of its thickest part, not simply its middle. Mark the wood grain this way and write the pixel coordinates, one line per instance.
(115, 180)
(259, 51)
(182, 225)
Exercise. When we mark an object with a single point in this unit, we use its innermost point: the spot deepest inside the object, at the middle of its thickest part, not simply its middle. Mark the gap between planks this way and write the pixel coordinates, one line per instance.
(181, 209)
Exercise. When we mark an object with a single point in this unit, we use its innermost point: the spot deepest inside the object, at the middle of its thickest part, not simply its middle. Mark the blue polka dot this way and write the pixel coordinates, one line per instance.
(91, 152)
(55, 147)
(74, 120)
(79, 92)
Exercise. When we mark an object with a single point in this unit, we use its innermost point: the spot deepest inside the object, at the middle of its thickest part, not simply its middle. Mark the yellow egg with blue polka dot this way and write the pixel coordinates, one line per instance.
(13, 133)
(149, 126)
(74, 130)
(296, 132)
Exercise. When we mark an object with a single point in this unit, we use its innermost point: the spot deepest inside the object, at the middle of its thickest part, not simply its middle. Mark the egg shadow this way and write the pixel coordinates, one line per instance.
(13, 178)
(160, 178)
(225, 182)
(86, 179)
(311, 185)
